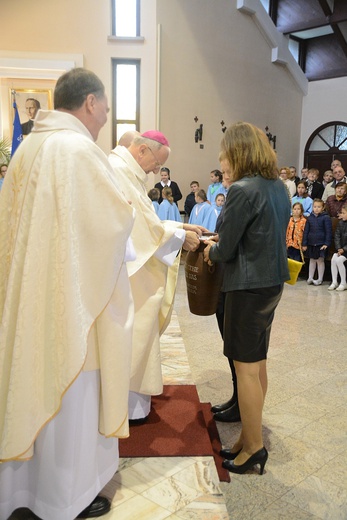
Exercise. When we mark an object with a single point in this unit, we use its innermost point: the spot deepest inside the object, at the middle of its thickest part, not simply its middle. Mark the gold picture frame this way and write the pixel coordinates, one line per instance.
(43, 96)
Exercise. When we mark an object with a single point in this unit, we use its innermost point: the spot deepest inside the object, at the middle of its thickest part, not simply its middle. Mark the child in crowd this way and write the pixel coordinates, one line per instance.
(339, 258)
(216, 208)
(190, 199)
(327, 177)
(201, 209)
(168, 210)
(216, 186)
(302, 197)
(317, 239)
(314, 188)
(295, 232)
(154, 195)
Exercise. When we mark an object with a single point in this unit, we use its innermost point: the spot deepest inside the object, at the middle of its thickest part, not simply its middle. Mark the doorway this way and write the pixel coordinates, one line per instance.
(326, 143)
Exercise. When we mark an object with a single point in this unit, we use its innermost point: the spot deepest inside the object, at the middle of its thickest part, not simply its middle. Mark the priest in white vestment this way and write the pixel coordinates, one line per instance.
(66, 311)
(153, 274)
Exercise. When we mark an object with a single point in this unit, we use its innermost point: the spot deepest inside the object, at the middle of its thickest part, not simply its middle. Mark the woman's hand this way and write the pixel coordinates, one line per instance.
(209, 244)
(323, 247)
(214, 239)
(340, 252)
(304, 248)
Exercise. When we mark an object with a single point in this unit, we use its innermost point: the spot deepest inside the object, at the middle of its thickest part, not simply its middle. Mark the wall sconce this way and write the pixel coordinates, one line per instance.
(223, 126)
(198, 131)
(271, 138)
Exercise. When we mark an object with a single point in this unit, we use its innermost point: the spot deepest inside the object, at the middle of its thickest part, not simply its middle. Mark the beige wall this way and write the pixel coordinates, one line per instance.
(81, 27)
(215, 64)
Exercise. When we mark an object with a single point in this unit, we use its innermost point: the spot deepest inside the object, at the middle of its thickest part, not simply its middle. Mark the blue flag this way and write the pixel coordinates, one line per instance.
(17, 130)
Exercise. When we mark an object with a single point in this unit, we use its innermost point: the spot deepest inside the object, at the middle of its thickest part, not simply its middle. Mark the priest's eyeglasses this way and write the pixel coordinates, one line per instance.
(157, 163)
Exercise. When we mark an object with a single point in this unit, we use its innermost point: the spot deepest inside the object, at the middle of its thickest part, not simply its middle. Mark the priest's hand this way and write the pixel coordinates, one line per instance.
(192, 241)
(193, 227)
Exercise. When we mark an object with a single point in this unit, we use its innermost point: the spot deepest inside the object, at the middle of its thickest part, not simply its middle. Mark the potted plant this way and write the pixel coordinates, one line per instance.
(5, 151)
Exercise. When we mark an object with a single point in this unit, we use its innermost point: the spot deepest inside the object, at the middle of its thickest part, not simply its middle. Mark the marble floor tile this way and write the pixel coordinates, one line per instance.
(242, 500)
(150, 471)
(284, 423)
(205, 507)
(137, 507)
(302, 406)
(334, 471)
(320, 498)
(171, 494)
(281, 510)
(201, 475)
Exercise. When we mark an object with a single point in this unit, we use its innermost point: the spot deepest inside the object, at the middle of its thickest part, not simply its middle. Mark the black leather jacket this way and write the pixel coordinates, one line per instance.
(341, 236)
(252, 236)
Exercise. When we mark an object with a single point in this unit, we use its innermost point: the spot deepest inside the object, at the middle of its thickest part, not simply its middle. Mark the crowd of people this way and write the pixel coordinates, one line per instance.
(318, 215)
(200, 207)
(88, 269)
(317, 204)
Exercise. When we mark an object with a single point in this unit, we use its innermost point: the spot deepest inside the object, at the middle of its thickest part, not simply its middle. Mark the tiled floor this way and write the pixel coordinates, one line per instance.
(305, 421)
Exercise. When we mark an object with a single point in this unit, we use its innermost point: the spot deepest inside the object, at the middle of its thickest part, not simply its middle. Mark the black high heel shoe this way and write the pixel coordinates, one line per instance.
(223, 406)
(259, 457)
(227, 454)
(231, 414)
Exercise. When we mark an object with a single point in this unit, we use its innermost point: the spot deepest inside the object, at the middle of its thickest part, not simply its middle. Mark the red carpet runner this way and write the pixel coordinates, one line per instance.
(178, 425)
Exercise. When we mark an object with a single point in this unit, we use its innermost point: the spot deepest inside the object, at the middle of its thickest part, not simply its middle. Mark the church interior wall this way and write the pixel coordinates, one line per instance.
(79, 27)
(217, 67)
(213, 64)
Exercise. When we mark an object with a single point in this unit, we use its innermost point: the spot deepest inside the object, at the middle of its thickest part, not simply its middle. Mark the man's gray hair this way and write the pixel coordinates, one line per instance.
(74, 86)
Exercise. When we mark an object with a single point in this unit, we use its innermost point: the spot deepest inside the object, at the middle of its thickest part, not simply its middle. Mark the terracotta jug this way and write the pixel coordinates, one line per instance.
(203, 283)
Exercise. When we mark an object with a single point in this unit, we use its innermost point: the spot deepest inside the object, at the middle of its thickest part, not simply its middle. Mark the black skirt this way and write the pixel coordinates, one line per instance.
(316, 252)
(248, 317)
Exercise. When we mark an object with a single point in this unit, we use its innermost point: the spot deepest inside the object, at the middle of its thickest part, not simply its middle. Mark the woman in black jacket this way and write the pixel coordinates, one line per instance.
(252, 244)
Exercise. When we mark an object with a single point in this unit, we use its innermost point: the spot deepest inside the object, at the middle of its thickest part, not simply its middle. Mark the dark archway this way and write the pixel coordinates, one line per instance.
(326, 143)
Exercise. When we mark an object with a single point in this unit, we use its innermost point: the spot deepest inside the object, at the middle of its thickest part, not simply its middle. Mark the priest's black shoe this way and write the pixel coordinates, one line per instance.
(224, 406)
(138, 422)
(231, 414)
(100, 506)
(259, 457)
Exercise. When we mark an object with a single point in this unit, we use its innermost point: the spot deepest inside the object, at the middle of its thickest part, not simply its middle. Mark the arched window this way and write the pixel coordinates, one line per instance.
(328, 142)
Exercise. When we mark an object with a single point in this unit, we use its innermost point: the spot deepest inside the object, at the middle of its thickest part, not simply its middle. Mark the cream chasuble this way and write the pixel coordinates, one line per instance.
(153, 283)
(64, 289)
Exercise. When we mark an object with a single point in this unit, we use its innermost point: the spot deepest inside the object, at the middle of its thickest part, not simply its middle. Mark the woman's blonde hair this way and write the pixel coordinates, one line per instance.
(287, 170)
(167, 194)
(248, 151)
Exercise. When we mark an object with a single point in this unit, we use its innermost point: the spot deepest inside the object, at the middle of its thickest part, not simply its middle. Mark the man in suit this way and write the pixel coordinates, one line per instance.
(339, 176)
(32, 106)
